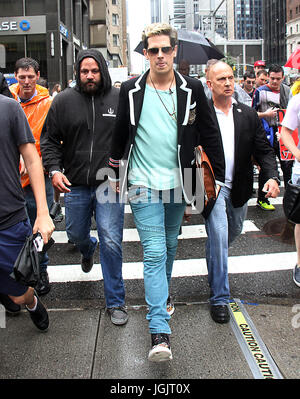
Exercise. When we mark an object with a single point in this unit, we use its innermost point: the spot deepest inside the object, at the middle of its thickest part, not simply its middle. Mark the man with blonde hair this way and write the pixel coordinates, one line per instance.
(162, 116)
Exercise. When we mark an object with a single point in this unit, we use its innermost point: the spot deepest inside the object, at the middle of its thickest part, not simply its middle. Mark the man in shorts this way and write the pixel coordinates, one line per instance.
(16, 140)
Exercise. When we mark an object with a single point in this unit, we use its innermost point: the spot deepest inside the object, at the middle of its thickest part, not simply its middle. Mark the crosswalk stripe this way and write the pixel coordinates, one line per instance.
(131, 235)
(251, 202)
(181, 268)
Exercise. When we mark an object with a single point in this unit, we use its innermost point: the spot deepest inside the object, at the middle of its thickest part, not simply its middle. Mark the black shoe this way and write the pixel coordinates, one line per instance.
(39, 316)
(56, 212)
(220, 313)
(9, 305)
(43, 286)
(87, 264)
(161, 349)
(118, 315)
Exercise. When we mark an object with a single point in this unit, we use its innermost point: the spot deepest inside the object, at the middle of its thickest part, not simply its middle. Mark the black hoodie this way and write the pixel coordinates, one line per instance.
(77, 133)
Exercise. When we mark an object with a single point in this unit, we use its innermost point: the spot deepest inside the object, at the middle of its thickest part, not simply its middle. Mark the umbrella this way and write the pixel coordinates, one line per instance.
(192, 47)
(294, 60)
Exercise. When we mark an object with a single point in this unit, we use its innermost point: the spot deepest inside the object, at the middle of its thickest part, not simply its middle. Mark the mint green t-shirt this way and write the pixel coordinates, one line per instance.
(154, 162)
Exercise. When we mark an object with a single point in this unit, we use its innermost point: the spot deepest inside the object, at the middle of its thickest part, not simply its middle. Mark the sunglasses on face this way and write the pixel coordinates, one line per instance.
(155, 50)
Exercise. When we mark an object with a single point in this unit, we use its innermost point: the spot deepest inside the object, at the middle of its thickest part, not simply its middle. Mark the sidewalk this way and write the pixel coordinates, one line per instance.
(81, 343)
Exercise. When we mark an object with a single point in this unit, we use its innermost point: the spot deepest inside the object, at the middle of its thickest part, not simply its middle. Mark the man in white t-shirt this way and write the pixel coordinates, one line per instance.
(291, 122)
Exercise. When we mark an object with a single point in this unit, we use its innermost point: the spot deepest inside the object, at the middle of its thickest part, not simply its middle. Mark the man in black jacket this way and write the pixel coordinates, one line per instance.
(75, 145)
(162, 117)
(4, 89)
(243, 137)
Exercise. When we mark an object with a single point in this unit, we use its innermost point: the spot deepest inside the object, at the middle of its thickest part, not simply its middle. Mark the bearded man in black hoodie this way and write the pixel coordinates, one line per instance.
(75, 145)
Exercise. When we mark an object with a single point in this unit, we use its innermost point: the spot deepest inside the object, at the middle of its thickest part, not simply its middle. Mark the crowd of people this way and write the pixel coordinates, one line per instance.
(95, 142)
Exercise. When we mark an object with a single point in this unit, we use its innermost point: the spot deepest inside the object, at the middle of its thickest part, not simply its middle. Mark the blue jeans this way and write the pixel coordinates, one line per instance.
(11, 242)
(158, 216)
(31, 211)
(223, 225)
(81, 204)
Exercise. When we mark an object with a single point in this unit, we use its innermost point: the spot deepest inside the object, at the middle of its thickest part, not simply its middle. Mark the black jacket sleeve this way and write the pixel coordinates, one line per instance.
(51, 141)
(121, 133)
(4, 89)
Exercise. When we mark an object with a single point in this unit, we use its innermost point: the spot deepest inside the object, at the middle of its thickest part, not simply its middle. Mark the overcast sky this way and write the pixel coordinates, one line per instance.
(138, 17)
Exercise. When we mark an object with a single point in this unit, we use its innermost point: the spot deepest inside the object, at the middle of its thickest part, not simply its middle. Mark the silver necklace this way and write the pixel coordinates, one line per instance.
(172, 114)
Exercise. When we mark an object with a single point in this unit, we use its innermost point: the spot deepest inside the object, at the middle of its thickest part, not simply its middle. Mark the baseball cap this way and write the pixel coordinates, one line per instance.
(259, 63)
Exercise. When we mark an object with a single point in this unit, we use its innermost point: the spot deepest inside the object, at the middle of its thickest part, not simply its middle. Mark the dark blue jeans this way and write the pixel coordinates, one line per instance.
(31, 211)
(81, 204)
(223, 226)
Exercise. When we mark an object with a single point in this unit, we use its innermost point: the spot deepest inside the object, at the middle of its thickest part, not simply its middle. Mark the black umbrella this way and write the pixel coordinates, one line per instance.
(193, 47)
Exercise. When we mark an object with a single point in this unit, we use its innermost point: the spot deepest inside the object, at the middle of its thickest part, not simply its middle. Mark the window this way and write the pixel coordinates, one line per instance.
(35, 7)
(116, 40)
(14, 49)
(62, 11)
(74, 12)
(36, 49)
(114, 2)
(11, 8)
(115, 19)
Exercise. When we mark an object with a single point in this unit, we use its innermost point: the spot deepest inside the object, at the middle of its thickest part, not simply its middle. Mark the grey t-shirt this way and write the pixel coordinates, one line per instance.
(14, 131)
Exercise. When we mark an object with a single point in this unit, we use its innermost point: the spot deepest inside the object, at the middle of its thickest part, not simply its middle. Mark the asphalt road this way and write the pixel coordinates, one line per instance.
(82, 343)
(260, 262)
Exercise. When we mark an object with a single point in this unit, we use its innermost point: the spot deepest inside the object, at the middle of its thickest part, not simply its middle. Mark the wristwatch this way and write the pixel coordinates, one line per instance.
(276, 179)
(51, 174)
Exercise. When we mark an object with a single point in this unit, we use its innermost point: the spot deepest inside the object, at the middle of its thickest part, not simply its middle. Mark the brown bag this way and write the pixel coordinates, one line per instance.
(206, 189)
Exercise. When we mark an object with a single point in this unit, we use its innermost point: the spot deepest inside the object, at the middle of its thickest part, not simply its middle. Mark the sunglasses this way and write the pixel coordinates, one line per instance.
(155, 50)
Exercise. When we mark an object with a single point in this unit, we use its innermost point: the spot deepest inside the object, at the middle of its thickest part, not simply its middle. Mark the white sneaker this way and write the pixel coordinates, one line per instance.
(161, 350)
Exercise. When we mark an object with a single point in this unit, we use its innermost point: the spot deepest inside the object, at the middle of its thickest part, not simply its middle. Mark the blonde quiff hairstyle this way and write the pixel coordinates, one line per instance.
(159, 28)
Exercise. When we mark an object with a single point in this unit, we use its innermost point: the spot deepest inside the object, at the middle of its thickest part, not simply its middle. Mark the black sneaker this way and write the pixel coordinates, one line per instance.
(161, 349)
(87, 264)
(39, 316)
(43, 286)
(9, 305)
(118, 315)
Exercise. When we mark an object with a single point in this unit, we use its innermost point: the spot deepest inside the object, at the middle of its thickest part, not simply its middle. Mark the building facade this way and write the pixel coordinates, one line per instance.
(244, 19)
(274, 31)
(108, 31)
(52, 32)
(292, 26)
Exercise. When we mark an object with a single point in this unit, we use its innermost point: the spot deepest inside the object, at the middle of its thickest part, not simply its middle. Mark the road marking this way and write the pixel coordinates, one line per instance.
(181, 268)
(130, 235)
(255, 351)
(251, 202)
